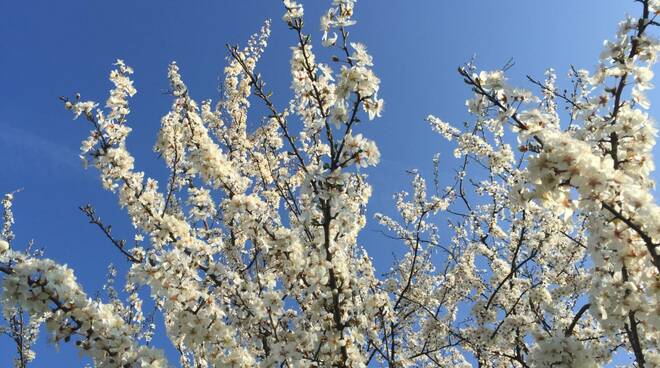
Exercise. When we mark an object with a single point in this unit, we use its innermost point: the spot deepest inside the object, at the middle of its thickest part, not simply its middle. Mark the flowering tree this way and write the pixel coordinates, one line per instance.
(250, 248)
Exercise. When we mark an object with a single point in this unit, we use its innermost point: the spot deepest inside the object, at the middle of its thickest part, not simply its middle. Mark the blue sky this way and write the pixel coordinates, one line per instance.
(49, 49)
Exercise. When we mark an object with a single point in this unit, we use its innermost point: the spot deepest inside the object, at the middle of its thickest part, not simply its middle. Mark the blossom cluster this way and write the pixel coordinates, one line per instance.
(566, 236)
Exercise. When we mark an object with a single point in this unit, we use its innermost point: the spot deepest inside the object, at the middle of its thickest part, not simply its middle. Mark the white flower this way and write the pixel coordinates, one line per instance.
(329, 41)
(360, 56)
(293, 11)
(374, 107)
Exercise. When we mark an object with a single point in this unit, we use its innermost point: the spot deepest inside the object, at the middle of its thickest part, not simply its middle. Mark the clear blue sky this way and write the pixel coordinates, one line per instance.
(52, 48)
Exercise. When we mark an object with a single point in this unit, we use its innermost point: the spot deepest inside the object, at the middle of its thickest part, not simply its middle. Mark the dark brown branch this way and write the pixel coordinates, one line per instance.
(648, 241)
(88, 210)
(578, 315)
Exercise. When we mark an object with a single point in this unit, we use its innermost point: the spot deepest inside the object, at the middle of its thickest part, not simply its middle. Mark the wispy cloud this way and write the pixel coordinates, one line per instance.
(27, 151)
